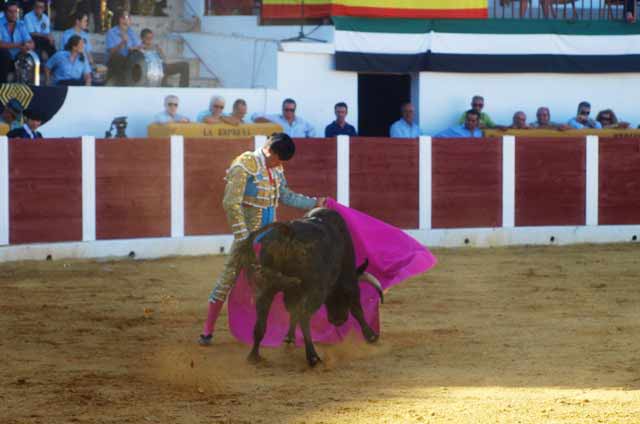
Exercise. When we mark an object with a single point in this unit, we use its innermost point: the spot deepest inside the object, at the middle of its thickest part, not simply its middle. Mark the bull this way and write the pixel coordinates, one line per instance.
(312, 261)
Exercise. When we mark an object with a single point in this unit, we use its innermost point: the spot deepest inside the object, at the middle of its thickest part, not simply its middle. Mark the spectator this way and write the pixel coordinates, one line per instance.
(630, 11)
(477, 104)
(467, 130)
(291, 125)
(12, 114)
(80, 28)
(608, 119)
(340, 125)
(544, 121)
(120, 40)
(29, 129)
(170, 114)
(70, 66)
(176, 68)
(405, 127)
(39, 28)
(214, 114)
(519, 121)
(238, 114)
(582, 120)
(14, 38)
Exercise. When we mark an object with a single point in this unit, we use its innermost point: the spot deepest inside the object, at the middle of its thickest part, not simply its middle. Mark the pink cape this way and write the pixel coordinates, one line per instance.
(393, 257)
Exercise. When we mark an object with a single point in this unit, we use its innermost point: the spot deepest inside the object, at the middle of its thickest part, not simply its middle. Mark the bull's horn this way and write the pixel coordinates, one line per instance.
(375, 283)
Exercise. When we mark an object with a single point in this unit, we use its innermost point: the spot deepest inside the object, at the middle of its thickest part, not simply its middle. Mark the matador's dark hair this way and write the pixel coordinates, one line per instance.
(283, 146)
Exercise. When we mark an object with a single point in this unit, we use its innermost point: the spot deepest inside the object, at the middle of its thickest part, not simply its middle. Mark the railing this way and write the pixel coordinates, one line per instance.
(561, 9)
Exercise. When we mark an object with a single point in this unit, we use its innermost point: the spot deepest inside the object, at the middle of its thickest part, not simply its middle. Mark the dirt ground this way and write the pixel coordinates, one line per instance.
(508, 335)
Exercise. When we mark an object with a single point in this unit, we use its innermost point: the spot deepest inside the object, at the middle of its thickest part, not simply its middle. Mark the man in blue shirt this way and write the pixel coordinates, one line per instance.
(39, 28)
(582, 120)
(467, 130)
(14, 38)
(340, 125)
(120, 40)
(293, 126)
(405, 127)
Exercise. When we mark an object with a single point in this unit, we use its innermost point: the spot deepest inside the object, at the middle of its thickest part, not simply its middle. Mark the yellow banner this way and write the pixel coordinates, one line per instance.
(212, 130)
(614, 133)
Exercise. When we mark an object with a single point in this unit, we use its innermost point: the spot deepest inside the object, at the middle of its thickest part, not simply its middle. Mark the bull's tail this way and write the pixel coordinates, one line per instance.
(247, 257)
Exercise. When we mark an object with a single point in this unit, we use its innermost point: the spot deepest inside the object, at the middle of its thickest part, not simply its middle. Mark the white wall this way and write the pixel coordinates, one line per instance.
(310, 79)
(241, 53)
(444, 96)
(89, 110)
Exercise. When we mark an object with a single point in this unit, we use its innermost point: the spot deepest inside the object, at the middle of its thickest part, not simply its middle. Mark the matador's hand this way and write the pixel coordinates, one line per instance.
(321, 202)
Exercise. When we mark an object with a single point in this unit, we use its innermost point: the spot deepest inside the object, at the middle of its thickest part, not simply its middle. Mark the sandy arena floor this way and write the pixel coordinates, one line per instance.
(519, 335)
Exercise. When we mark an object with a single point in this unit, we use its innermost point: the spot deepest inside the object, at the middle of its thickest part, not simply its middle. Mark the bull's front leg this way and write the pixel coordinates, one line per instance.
(312, 355)
(357, 312)
(263, 304)
(291, 335)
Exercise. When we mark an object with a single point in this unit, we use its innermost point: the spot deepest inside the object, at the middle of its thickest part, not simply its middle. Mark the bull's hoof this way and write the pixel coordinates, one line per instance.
(372, 338)
(313, 360)
(289, 340)
(254, 359)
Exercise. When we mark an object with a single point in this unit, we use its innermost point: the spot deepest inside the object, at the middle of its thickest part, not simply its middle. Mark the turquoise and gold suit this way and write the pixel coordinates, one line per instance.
(251, 197)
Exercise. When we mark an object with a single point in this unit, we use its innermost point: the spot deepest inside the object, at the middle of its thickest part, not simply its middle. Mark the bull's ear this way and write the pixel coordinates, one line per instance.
(362, 268)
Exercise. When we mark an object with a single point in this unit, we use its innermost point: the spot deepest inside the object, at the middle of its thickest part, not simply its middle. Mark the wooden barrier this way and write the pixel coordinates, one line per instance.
(619, 181)
(555, 134)
(550, 182)
(196, 130)
(467, 183)
(384, 179)
(133, 197)
(45, 191)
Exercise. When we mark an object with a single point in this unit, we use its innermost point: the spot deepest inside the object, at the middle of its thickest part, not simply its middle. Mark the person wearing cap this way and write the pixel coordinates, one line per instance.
(12, 114)
(29, 129)
(170, 114)
(255, 186)
(39, 28)
(14, 38)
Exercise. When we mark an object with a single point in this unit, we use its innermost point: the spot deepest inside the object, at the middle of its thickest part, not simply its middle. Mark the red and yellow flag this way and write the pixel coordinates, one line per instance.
(424, 9)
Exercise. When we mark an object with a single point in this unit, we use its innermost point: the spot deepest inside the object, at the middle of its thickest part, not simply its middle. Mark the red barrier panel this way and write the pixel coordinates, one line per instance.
(467, 183)
(205, 165)
(133, 188)
(45, 190)
(384, 179)
(312, 172)
(619, 181)
(550, 181)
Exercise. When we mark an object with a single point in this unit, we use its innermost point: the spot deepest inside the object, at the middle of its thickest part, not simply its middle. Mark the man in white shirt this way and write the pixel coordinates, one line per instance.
(405, 127)
(293, 126)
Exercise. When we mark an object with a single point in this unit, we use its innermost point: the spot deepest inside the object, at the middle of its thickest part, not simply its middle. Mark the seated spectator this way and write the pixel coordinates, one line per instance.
(340, 125)
(29, 129)
(608, 119)
(405, 127)
(39, 28)
(238, 113)
(291, 124)
(467, 130)
(544, 121)
(14, 38)
(12, 114)
(69, 66)
(214, 114)
(630, 11)
(170, 114)
(519, 121)
(80, 28)
(477, 104)
(582, 120)
(120, 40)
(176, 68)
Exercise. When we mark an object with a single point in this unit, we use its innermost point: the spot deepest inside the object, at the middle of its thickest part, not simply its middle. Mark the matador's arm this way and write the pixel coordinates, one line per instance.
(232, 202)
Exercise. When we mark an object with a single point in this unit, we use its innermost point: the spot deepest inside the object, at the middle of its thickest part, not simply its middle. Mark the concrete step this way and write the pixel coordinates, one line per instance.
(194, 65)
(204, 83)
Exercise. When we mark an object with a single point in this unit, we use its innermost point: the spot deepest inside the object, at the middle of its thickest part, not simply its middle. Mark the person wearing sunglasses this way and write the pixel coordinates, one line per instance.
(477, 104)
(214, 114)
(292, 125)
(608, 119)
(170, 114)
(582, 120)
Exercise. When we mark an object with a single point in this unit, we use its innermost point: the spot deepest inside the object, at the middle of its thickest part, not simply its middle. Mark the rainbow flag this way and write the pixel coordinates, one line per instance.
(424, 9)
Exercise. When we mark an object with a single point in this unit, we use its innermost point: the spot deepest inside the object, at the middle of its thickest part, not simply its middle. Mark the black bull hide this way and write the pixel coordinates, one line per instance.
(312, 261)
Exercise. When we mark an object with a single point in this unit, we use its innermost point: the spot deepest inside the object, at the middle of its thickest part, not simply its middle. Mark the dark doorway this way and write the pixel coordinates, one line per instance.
(379, 100)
